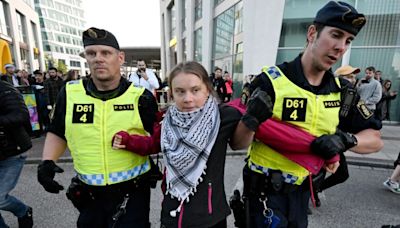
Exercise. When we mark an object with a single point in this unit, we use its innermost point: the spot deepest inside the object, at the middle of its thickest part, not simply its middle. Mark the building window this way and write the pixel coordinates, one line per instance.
(239, 18)
(183, 22)
(73, 63)
(25, 59)
(4, 23)
(22, 28)
(197, 45)
(35, 34)
(227, 48)
(198, 10)
(378, 44)
(223, 34)
(172, 21)
(184, 49)
(217, 2)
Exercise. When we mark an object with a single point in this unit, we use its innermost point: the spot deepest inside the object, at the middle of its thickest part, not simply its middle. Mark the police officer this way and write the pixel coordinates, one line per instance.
(306, 94)
(111, 188)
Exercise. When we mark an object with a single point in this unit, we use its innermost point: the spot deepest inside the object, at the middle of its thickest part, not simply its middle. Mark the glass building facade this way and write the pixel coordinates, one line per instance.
(212, 33)
(19, 27)
(62, 23)
(227, 44)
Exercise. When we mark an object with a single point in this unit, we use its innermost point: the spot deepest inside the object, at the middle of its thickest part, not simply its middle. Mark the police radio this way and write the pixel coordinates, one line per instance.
(348, 100)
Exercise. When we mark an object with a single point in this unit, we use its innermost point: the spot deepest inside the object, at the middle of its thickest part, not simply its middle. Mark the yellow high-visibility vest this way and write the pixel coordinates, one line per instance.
(316, 114)
(91, 123)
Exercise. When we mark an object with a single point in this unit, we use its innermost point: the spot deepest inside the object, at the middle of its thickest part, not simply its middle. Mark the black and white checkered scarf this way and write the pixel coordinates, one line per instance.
(186, 141)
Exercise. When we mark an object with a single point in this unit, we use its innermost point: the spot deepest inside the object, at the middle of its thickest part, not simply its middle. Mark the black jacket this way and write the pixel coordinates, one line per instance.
(208, 205)
(14, 122)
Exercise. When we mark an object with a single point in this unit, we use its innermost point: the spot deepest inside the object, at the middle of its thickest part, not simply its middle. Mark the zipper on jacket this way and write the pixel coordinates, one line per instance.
(314, 116)
(103, 132)
(210, 198)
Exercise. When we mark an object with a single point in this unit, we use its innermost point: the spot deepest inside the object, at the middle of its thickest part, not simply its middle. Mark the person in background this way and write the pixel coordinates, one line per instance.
(10, 75)
(378, 76)
(14, 141)
(228, 85)
(41, 102)
(383, 107)
(71, 75)
(369, 89)
(24, 78)
(112, 187)
(159, 91)
(349, 73)
(393, 182)
(144, 77)
(219, 84)
(52, 86)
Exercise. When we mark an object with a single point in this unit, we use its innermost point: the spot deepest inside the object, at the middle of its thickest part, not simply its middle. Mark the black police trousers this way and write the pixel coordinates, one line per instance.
(289, 204)
(98, 211)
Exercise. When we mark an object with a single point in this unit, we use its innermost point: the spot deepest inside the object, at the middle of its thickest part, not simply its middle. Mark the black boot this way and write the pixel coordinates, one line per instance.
(316, 198)
(26, 221)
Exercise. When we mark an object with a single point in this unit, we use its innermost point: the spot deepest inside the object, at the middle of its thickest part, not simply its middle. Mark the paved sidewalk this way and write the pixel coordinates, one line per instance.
(382, 159)
(385, 157)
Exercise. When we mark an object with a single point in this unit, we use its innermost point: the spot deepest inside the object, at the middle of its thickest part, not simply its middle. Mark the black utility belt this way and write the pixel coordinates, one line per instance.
(259, 183)
(129, 186)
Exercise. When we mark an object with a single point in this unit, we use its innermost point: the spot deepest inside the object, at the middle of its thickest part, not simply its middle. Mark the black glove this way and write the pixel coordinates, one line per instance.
(348, 139)
(327, 146)
(46, 172)
(259, 109)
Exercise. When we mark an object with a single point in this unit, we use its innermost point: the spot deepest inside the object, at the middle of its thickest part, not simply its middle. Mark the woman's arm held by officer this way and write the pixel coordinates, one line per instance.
(368, 141)
(242, 137)
(139, 144)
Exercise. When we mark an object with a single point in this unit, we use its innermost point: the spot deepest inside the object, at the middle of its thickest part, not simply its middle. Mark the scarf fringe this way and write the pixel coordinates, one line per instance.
(192, 191)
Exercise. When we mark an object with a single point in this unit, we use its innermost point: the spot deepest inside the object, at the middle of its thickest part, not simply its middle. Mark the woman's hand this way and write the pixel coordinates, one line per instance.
(117, 142)
(331, 168)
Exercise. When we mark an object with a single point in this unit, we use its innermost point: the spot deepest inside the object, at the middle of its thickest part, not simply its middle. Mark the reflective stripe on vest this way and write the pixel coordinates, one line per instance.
(316, 114)
(91, 123)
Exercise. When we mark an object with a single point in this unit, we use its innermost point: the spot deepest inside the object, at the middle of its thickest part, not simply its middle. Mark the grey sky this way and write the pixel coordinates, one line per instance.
(133, 22)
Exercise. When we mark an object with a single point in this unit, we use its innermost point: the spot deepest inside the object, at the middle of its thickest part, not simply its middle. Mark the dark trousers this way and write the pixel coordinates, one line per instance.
(340, 176)
(291, 208)
(99, 211)
(221, 224)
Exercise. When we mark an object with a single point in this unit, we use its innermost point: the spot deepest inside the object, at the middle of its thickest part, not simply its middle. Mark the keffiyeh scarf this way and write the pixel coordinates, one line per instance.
(186, 142)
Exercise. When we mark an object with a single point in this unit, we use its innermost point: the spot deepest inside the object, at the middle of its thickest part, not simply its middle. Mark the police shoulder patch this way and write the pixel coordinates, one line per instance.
(364, 110)
(273, 72)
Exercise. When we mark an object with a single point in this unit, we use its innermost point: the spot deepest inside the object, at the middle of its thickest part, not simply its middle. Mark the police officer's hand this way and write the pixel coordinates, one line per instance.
(259, 109)
(348, 139)
(46, 172)
(327, 146)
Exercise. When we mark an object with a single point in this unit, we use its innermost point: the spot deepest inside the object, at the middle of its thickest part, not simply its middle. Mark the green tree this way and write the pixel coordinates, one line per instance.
(57, 63)
(61, 67)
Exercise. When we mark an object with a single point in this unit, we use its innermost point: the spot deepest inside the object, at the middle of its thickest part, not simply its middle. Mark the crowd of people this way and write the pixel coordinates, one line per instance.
(296, 118)
(222, 84)
(373, 89)
(44, 85)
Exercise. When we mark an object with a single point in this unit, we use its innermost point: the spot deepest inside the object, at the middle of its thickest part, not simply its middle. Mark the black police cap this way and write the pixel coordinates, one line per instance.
(95, 36)
(341, 15)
